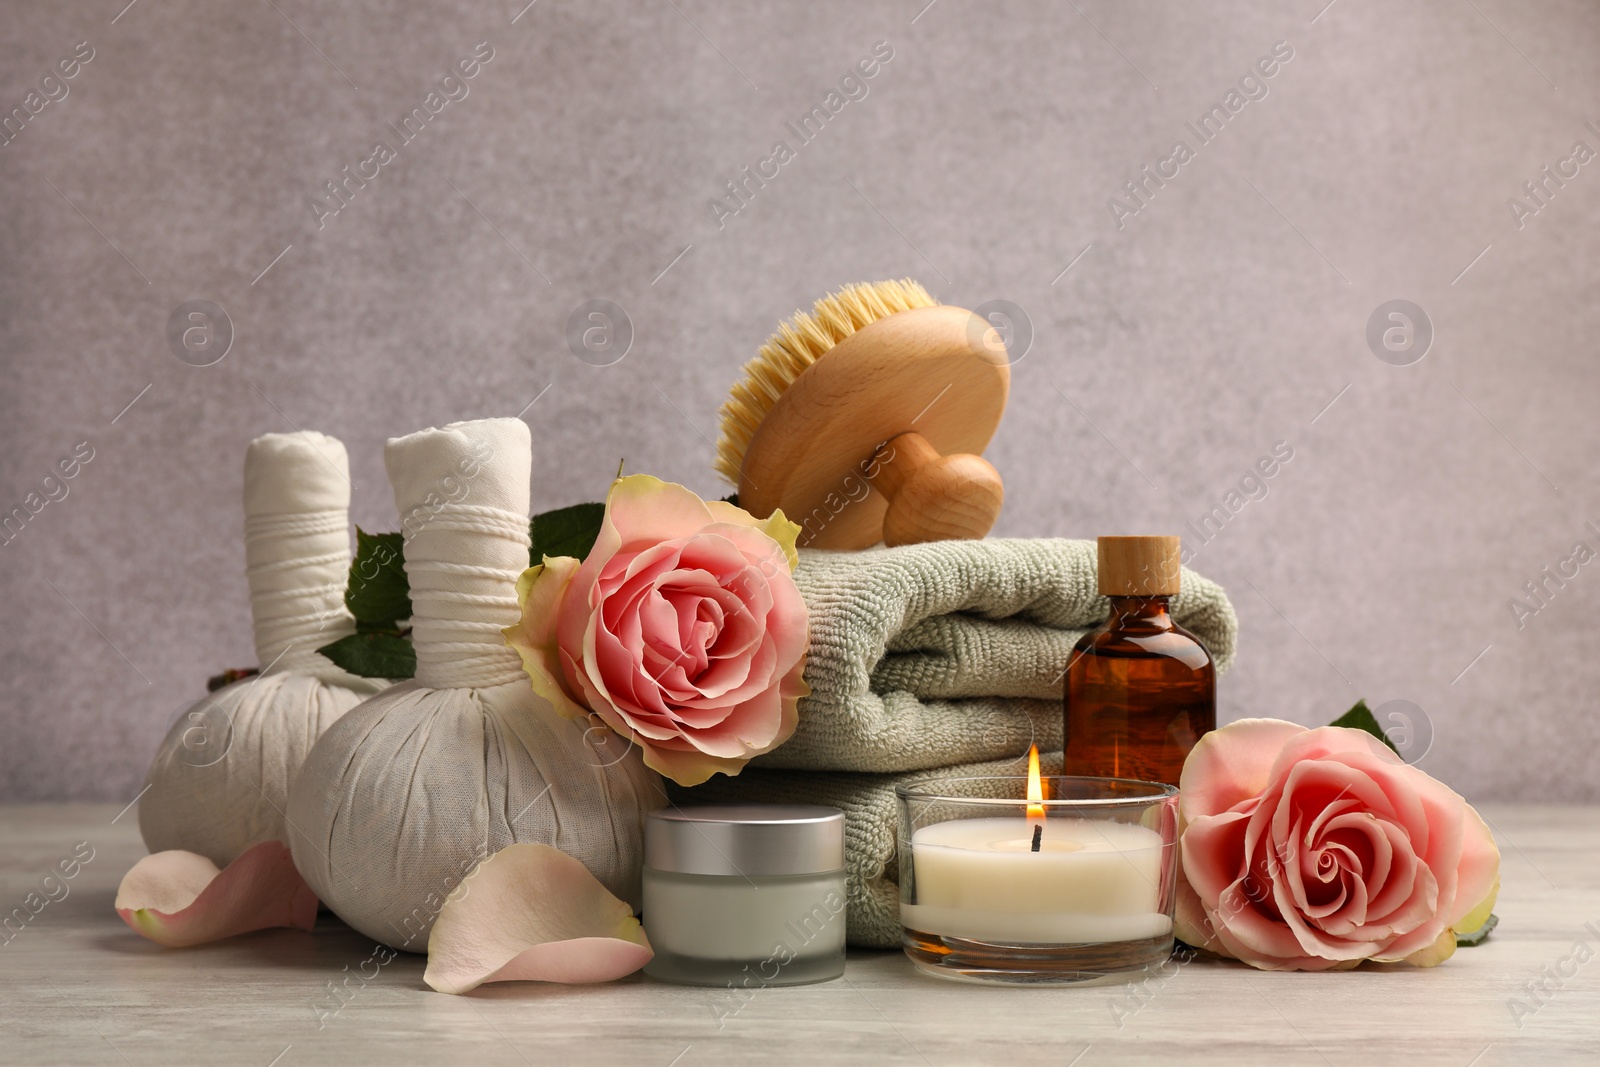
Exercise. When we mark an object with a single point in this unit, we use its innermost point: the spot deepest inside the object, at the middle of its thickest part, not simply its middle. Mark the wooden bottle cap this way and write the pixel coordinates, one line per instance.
(1139, 566)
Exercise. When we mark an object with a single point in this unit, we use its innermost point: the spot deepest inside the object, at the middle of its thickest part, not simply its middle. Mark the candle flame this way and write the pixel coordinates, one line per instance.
(1035, 785)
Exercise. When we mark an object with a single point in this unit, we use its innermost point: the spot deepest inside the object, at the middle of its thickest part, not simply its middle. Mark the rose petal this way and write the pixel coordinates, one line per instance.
(577, 961)
(1263, 941)
(1192, 925)
(1362, 852)
(747, 730)
(1353, 762)
(532, 913)
(1442, 949)
(1327, 741)
(1231, 764)
(776, 526)
(639, 567)
(642, 507)
(1473, 921)
(540, 592)
(180, 899)
(760, 667)
(611, 675)
(688, 766)
(1477, 875)
(1212, 851)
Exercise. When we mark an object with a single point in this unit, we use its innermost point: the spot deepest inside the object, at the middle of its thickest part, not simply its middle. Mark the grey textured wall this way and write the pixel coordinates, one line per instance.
(1173, 346)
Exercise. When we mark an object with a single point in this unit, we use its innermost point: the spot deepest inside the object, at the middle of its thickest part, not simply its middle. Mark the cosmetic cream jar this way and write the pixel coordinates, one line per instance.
(747, 894)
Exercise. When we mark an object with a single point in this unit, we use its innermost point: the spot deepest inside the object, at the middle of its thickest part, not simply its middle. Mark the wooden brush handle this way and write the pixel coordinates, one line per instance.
(932, 382)
(933, 497)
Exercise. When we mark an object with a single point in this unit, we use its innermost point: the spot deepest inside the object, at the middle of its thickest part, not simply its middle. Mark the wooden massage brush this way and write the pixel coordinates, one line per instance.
(865, 419)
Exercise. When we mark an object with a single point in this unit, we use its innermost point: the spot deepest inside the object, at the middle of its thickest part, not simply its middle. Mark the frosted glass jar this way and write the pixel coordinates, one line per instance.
(747, 894)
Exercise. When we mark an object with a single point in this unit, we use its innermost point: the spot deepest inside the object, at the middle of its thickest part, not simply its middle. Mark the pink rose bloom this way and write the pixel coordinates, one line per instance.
(683, 629)
(1317, 849)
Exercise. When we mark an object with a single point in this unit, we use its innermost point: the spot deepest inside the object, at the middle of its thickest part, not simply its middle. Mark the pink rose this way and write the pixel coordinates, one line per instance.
(1317, 849)
(682, 629)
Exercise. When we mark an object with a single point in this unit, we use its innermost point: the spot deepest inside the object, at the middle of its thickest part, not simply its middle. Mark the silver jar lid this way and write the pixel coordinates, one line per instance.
(750, 840)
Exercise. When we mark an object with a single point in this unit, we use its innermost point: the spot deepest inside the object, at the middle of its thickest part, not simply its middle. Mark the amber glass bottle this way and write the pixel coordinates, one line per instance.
(1141, 689)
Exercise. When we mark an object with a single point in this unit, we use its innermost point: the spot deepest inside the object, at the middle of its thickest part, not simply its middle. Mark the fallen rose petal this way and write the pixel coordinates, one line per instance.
(578, 961)
(180, 899)
(532, 913)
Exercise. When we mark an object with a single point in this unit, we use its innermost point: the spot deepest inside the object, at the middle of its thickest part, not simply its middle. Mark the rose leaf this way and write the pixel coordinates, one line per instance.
(1360, 717)
(379, 592)
(569, 531)
(373, 655)
(1480, 935)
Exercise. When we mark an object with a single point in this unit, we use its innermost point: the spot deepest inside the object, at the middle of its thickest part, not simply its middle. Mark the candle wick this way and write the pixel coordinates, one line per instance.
(1038, 837)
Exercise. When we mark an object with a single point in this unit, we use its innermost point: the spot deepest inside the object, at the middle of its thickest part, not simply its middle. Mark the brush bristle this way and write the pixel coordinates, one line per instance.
(800, 342)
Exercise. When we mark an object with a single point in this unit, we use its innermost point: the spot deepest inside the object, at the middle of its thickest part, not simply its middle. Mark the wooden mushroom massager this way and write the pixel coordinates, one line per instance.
(865, 420)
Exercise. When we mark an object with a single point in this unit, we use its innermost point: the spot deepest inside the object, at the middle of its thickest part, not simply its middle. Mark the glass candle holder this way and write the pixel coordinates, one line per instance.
(1075, 887)
(745, 895)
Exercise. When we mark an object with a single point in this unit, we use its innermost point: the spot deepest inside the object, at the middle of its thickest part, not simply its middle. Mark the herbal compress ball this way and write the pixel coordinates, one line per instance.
(405, 795)
(220, 781)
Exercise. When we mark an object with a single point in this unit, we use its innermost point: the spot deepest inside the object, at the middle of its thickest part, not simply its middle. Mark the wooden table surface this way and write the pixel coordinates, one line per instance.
(78, 987)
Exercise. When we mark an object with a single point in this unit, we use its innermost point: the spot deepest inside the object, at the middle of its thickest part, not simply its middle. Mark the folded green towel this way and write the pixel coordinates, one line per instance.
(935, 659)
(952, 652)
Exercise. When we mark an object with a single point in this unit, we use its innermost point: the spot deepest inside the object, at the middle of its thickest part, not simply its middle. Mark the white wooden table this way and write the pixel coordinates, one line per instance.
(78, 987)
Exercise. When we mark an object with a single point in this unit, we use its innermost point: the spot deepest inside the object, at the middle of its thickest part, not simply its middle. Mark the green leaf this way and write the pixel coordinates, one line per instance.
(379, 593)
(565, 531)
(373, 655)
(1480, 935)
(1360, 717)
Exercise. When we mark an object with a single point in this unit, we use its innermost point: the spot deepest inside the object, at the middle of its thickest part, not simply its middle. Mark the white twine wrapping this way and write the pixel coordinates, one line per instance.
(297, 548)
(462, 494)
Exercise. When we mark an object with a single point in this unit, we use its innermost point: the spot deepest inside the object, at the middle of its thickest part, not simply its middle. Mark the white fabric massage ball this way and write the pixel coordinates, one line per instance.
(220, 781)
(406, 794)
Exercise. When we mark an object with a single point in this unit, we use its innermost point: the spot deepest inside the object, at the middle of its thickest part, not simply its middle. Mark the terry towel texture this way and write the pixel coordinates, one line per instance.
(951, 652)
(941, 658)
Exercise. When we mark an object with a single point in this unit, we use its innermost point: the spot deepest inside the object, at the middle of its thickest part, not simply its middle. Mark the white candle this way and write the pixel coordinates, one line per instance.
(1092, 880)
